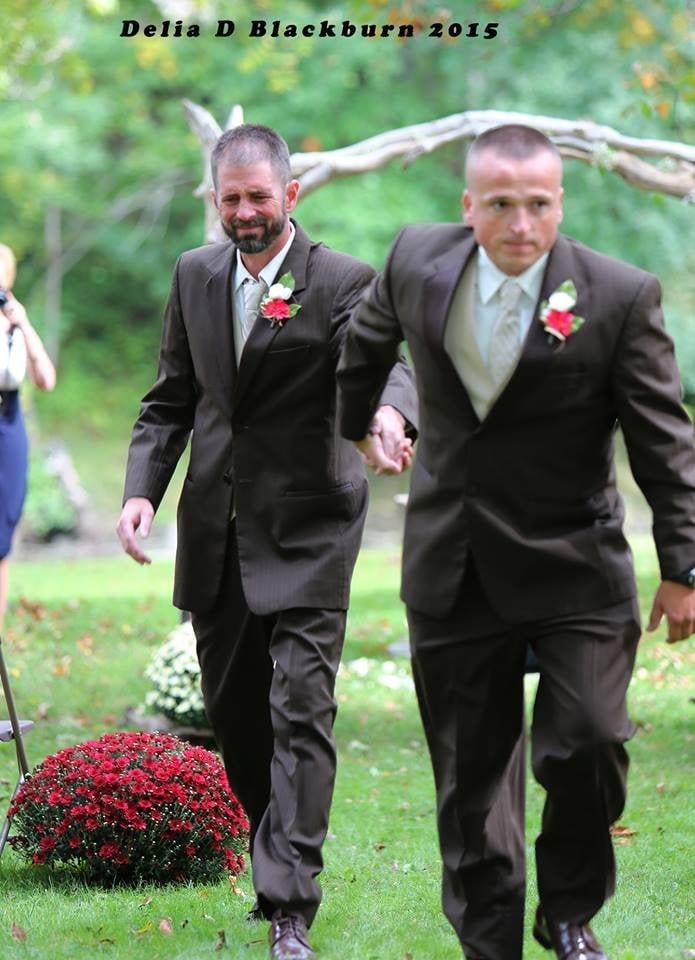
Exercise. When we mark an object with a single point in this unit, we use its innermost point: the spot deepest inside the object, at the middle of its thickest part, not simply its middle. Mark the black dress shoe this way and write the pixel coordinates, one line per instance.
(288, 938)
(570, 941)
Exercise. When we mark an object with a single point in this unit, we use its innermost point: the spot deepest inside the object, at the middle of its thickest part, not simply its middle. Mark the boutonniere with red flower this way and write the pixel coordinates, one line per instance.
(275, 306)
(556, 313)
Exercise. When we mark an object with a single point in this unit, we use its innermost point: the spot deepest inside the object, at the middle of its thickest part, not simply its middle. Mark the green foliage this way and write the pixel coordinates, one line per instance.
(48, 510)
(98, 133)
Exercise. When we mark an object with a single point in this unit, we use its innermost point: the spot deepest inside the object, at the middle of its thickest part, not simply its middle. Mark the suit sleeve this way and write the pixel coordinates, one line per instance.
(165, 420)
(658, 430)
(371, 369)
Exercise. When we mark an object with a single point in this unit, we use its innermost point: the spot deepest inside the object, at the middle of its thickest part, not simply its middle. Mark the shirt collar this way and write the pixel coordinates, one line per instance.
(269, 271)
(491, 278)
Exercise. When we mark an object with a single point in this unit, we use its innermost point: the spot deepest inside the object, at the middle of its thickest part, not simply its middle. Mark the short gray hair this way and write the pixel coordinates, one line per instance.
(252, 143)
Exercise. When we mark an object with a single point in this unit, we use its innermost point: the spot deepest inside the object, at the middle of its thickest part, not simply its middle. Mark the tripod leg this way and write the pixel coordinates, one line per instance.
(12, 710)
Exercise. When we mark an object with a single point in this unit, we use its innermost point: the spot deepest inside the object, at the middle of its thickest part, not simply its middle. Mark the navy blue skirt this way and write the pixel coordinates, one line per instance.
(13, 467)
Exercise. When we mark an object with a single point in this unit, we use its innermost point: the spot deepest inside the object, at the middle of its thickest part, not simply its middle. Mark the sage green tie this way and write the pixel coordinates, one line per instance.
(504, 346)
(253, 293)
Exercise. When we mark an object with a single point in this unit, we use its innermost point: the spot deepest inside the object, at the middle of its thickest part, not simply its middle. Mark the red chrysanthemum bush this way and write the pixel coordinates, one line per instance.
(132, 807)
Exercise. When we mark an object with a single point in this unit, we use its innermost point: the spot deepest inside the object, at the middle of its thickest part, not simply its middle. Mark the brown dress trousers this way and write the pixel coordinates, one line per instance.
(469, 676)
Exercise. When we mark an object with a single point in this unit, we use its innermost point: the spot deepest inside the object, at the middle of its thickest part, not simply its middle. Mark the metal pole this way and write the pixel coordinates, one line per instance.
(14, 721)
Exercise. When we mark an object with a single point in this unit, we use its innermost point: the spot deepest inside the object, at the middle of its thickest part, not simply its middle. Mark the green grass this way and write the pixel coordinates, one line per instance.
(79, 635)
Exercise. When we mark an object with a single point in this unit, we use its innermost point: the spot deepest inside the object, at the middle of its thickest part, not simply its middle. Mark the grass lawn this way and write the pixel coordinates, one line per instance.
(79, 635)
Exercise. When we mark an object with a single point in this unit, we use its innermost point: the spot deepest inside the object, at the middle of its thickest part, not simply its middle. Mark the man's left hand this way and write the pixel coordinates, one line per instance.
(677, 602)
(386, 449)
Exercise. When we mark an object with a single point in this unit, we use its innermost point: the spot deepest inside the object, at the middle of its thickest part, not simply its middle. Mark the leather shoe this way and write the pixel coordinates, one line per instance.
(570, 941)
(288, 938)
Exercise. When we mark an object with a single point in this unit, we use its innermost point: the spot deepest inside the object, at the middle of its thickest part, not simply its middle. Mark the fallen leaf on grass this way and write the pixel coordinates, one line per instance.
(141, 931)
(146, 902)
(36, 610)
(85, 644)
(622, 834)
(379, 846)
(19, 934)
(165, 926)
(221, 940)
(62, 668)
(235, 888)
(661, 788)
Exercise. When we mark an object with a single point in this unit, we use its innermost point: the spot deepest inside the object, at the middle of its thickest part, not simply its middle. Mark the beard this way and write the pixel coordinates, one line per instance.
(255, 244)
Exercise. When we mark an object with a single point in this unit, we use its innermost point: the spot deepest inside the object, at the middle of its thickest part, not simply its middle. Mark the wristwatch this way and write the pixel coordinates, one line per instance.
(687, 578)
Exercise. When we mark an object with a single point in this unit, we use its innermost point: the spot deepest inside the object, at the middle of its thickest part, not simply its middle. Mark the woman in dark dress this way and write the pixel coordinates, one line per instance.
(21, 353)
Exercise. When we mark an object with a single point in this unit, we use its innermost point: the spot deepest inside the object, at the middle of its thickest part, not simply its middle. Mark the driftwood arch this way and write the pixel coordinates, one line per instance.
(660, 166)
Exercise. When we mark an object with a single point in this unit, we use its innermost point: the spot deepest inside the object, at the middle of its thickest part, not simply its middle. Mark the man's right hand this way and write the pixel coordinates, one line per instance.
(137, 514)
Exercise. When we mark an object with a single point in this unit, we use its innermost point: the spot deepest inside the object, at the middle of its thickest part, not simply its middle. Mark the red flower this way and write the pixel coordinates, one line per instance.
(278, 310)
(74, 810)
(109, 849)
(559, 320)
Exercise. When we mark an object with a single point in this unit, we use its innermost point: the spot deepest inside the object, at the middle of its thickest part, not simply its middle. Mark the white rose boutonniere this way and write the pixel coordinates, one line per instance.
(275, 305)
(555, 313)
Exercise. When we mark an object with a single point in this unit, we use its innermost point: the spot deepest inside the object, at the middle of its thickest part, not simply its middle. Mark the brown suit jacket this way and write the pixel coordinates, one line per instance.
(264, 434)
(530, 492)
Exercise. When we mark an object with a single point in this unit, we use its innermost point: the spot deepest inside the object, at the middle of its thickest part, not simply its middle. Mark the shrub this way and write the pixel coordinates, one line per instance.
(130, 808)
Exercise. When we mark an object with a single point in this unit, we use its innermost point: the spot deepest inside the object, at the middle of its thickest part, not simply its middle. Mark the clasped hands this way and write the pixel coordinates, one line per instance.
(386, 449)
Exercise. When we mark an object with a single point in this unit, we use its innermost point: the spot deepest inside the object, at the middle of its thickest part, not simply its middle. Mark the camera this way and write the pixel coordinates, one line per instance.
(3, 298)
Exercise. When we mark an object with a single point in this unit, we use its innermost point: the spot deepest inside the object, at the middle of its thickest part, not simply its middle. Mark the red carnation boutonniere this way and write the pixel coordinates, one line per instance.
(275, 306)
(556, 316)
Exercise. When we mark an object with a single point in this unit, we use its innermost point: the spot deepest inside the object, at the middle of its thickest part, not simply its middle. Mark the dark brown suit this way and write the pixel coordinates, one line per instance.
(272, 587)
(514, 535)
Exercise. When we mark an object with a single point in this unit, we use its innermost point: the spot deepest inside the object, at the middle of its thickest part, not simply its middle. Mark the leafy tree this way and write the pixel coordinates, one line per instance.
(93, 132)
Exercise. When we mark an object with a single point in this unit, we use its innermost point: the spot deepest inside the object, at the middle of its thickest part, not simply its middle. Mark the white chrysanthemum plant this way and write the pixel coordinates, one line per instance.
(175, 674)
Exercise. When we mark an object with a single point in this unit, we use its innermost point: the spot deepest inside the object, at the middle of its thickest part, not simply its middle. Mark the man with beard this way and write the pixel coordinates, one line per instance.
(273, 504)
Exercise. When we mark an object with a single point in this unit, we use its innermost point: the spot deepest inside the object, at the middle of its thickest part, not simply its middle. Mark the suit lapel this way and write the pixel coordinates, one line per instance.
(218, 293)
(439, 289)
(560, 267)
(262, 333)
